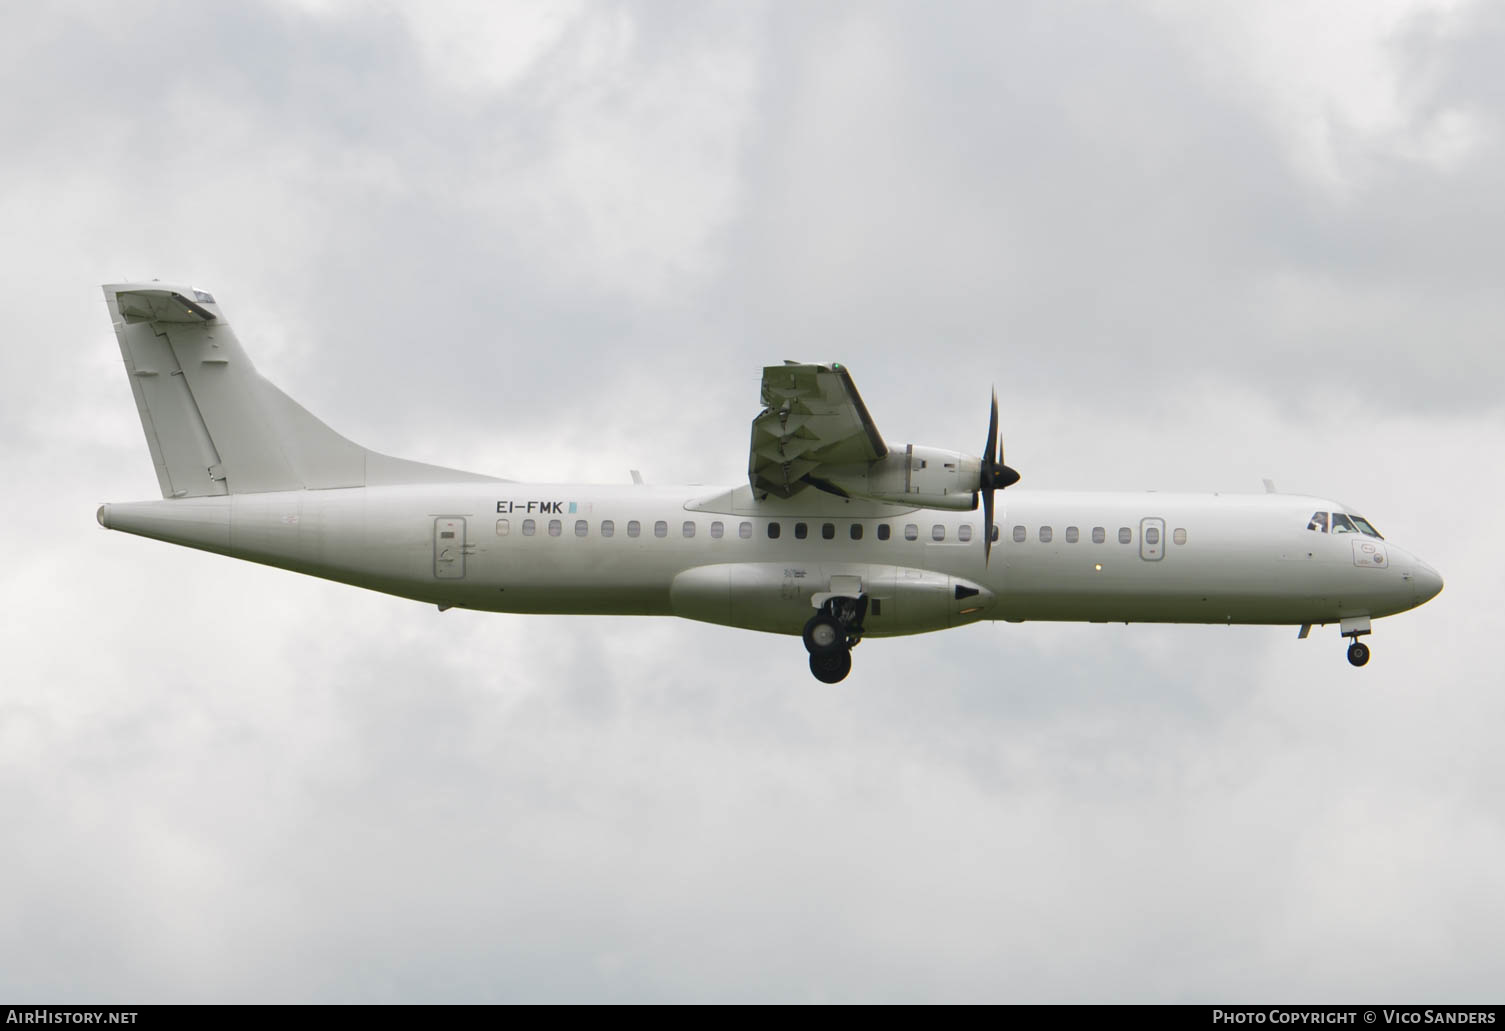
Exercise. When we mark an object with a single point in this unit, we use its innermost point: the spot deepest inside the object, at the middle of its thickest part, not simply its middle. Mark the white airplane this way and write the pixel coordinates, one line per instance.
(836, 535)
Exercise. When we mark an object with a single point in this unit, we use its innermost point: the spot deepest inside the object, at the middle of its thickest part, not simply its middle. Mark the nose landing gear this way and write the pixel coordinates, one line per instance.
(1353, 628)
(830, 636)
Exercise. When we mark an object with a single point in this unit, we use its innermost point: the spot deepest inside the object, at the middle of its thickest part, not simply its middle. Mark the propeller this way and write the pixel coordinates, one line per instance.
(993, 475)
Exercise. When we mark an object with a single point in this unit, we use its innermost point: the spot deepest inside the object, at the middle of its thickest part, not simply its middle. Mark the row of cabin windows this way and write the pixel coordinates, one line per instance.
(1100, 535)
(634, 528)
(608, 528)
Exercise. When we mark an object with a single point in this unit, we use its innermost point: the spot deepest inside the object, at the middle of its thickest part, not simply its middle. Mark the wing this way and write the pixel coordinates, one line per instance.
(813, 420)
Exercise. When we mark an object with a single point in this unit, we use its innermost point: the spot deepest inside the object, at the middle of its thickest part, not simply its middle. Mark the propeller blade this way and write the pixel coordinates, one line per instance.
(987, 525)
(990, 450)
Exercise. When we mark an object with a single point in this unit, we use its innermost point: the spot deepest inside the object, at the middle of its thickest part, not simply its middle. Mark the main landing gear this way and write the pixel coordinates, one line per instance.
(831, 635)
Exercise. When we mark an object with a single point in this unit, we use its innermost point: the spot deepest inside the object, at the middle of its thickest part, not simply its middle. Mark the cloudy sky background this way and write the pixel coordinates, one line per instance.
(1193, 245)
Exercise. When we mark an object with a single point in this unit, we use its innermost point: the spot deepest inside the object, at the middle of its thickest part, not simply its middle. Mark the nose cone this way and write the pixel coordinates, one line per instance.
(1428, 582)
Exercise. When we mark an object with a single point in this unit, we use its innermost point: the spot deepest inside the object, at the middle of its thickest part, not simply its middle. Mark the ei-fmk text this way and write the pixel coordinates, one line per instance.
(836, 536)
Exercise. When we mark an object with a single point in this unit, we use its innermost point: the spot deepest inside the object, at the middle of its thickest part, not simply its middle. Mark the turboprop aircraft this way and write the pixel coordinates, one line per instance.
(836, 536)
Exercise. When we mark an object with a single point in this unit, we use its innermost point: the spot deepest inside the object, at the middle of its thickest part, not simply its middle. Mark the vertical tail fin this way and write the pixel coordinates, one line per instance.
(213, 424)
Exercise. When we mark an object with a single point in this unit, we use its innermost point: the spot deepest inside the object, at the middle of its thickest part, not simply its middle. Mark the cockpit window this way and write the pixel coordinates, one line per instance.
(1342, 524)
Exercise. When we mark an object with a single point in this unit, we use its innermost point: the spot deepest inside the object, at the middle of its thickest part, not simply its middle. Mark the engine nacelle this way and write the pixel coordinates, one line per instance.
(926, 477)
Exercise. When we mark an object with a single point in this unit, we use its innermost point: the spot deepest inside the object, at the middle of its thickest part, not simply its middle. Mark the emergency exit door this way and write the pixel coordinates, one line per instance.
(449, 548)
(1152, 539)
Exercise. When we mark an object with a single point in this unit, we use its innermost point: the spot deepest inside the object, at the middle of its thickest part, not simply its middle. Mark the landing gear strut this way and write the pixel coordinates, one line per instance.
(830, 636)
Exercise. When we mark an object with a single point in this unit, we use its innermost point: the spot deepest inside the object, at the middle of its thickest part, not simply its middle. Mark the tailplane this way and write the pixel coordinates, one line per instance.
(213, 424)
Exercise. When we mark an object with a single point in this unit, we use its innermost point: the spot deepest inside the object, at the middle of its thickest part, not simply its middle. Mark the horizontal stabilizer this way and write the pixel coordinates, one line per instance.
(164, 306)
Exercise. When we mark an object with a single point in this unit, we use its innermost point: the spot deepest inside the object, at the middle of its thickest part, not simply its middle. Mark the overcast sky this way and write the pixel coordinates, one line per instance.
(1192, 244)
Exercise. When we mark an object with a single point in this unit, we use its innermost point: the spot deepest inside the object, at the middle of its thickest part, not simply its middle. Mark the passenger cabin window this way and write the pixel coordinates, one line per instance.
(828, 531)
(1046, 534)
(1072, 535)
(634, 527)
(688, 530)
(608, 527)
(883, 531)
(661, 529)
(773, 531)
(938, 532)
(503, 527)
(744, 530)
(995, 533)
(717, 529)
(801, 531)
(964, 532)
(1125, 535)
(1152, 536)
(555, 527)
(1342, 524)
(581, 528)
(911, 532)
(1099, 535)
(1179, 535)
(528, 527)
(856, 531)
(1020, 534)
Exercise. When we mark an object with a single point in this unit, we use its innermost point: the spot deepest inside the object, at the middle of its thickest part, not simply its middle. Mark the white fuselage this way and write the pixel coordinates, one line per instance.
(1130, 557)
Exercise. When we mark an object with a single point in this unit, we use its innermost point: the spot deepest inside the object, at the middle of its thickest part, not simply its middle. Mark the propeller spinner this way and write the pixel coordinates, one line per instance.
(994, 475)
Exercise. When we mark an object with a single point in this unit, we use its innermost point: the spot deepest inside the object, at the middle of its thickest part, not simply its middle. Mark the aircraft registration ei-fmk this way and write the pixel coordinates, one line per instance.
(836, 535)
